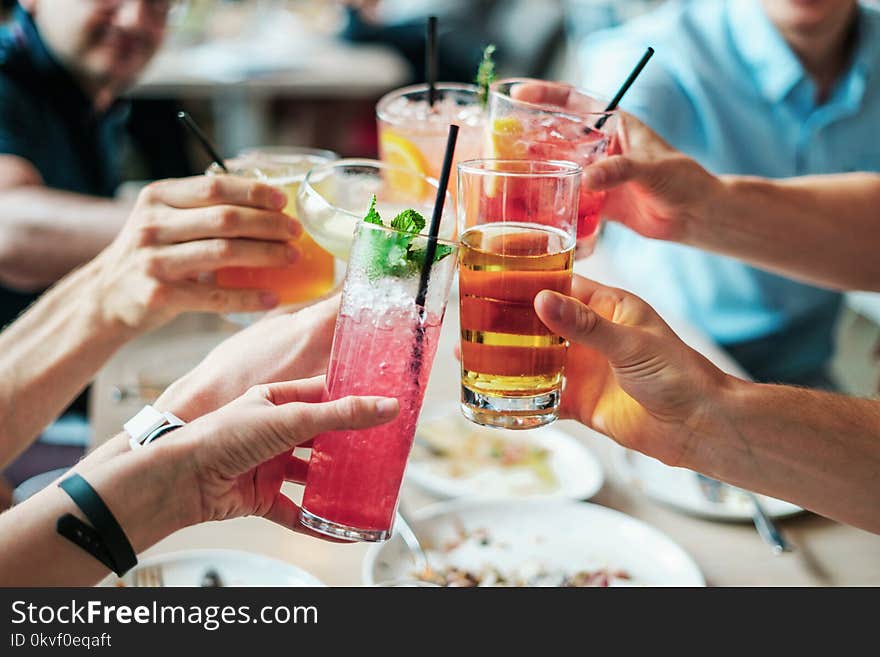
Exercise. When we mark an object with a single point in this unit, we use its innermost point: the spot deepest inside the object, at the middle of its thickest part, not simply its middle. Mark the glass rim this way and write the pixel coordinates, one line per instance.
(494, 90)
(422, 87)
(308, 187)
(394, 231)
(246, 161)
(562, 168)
(283, 152)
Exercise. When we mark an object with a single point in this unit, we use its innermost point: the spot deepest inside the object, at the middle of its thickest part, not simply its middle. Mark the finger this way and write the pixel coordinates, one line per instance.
(305, 421)
(202, 191)
(285, 513)
(296, 470)
(178, 261)
(308, 391)
(618, 305)
(579, 324)
(614, 171)
(540, 92)
(224, 221)
(186, 296)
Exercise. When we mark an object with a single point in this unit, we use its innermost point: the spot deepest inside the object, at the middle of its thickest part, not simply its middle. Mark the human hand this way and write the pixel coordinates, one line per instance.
(178, 234)
(652, 188)
(627, 374)
(237, 457)
(280, 348)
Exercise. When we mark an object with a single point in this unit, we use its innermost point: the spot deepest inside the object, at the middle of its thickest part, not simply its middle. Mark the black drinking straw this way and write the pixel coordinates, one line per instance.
(625, 87)
(431, 59)
(434, 229)
(430, 250)
(186, 119)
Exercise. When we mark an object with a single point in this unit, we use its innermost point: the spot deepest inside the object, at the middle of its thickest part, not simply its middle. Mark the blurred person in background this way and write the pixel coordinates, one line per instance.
(772, 88)
(63, 66)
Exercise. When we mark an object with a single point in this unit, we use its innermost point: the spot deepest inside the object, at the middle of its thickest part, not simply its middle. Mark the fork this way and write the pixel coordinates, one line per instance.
(766, 528)
(149, 576)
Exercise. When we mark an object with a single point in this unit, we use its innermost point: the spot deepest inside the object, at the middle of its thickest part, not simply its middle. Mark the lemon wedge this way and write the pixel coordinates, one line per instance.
(400, 152)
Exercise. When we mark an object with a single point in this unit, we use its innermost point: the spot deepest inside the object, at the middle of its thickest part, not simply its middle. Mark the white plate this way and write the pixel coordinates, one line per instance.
(235, 568)
(574, 473)
(679, 488)
(556, 535)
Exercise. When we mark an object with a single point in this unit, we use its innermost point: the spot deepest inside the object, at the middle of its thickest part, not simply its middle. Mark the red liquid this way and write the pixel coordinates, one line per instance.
(354, 476)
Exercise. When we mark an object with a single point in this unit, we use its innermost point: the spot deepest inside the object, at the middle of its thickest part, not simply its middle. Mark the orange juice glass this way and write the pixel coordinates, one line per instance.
(313, 275)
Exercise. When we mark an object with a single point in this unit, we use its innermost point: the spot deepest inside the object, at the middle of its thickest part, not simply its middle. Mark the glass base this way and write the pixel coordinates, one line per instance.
(336, 530)
(510, 412)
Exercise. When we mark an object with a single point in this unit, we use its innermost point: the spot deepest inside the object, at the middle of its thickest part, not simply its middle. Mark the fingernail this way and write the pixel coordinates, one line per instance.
(268, 299)
(295, 228)
(292, 254)
(279, 199)
(386, 408)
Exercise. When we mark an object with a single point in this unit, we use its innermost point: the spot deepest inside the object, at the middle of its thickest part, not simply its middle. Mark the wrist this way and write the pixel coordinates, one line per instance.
(187, 398)
(711, 433)
(151, 491)
(99, 296)
(709, 206)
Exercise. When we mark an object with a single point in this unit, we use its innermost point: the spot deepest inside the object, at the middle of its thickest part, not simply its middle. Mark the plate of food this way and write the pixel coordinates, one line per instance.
(452, 457)
(213, 567)
(681, 488)
(533, 543)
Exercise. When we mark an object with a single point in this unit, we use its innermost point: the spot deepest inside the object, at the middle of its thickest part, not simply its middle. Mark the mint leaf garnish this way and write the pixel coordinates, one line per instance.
(486, 73)
(393, 253)
(409, 221)
(372, 216)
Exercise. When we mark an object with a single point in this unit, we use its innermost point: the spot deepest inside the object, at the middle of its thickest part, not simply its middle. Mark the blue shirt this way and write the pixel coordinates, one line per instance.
(725, 88)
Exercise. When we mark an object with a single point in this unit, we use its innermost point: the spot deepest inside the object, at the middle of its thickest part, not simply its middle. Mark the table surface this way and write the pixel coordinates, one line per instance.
(729, 554)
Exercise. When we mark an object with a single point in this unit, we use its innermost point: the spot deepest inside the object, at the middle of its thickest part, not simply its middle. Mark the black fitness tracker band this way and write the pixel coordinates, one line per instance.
(105, 539)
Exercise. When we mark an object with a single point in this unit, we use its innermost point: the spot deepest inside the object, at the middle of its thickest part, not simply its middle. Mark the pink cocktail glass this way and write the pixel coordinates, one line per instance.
(539, 120)
(384, 344)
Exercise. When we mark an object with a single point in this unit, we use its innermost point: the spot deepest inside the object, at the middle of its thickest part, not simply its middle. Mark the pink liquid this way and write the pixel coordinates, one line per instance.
(354, 476)
(561, 138)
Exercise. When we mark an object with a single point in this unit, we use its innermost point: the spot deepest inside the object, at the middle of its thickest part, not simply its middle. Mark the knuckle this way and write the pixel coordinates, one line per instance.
(211, 188)
(228, 219)
(150, 194)
(158, 294)
(259, 391)
(218, 297)
(153, 265)
(225, 249)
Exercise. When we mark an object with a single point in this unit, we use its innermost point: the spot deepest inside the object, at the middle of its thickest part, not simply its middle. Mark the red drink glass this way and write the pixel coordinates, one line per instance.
(539, 120)
(383, 345)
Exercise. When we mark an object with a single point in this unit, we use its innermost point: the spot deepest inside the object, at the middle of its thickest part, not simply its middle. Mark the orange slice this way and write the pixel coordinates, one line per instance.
(504, 143)
(505, 139)
(399, 151)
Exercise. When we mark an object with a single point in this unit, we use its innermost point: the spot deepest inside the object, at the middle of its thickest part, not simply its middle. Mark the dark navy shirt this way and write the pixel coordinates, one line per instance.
(47, 119)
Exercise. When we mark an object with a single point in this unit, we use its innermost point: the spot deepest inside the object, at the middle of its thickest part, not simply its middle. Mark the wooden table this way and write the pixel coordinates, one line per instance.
(729, 554)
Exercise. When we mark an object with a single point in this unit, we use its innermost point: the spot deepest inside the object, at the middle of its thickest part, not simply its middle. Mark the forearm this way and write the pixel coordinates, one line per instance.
(820, 229)
(44, 233)
(49, 355)
(816, 449)
(146, 490)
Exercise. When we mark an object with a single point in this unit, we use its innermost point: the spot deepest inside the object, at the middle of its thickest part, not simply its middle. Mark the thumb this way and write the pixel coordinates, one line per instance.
(614, 171)
(302, 421)
(579, 324)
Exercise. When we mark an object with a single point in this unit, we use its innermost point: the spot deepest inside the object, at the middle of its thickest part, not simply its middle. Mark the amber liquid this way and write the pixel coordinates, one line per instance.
(309, 278)
(506, 350)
